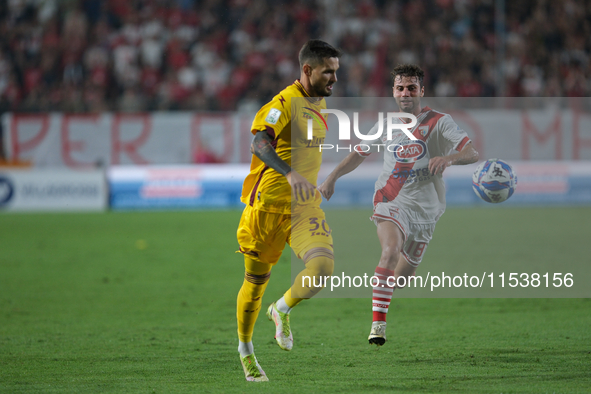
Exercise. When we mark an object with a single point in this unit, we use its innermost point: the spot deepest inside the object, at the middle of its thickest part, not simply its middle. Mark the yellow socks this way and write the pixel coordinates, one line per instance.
(250, 297)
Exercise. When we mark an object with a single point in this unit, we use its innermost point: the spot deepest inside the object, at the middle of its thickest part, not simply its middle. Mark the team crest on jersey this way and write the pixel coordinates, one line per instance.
(423, 130)
(410, 151)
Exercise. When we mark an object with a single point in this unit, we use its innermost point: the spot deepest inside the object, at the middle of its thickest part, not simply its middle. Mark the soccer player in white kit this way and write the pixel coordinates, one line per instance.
(409, 194)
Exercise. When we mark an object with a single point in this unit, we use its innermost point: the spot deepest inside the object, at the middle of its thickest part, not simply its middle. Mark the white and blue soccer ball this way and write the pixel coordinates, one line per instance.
(494, 181)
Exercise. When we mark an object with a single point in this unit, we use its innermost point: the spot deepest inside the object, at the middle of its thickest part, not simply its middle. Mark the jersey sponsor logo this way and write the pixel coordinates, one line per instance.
(315, 143)
(412, 175)
(410, 151)
(273, 116)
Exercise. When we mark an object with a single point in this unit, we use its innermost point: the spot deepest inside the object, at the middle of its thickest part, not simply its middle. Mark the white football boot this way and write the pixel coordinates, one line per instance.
(377, 335)
(282, 329)
(252, 369)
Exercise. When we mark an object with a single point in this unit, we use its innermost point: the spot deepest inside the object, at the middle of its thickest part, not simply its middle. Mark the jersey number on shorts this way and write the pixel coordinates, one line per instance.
(314, 222)
(416, 249)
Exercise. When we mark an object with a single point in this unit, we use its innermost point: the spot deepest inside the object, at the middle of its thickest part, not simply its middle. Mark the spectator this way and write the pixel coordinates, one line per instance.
(189, 55)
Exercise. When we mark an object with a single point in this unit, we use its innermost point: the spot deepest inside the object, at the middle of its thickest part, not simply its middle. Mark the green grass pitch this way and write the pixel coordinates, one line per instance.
(144, 302)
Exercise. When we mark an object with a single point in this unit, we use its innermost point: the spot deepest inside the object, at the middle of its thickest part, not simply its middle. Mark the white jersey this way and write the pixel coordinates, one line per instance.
(405, 179)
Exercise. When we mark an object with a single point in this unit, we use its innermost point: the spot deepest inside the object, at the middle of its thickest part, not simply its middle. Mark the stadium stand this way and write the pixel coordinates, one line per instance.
(146, 55)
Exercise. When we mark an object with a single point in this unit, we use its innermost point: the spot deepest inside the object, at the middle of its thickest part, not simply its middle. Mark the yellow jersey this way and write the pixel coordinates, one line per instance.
(266, 189)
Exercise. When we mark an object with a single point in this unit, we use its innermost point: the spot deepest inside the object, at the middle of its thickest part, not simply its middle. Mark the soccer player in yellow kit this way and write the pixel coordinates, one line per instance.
(282, 205)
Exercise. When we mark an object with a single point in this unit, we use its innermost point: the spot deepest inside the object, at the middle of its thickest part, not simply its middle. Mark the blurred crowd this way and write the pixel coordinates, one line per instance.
(145, 55)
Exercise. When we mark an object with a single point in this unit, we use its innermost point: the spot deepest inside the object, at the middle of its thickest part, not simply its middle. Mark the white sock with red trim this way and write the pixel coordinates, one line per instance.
(382, 294)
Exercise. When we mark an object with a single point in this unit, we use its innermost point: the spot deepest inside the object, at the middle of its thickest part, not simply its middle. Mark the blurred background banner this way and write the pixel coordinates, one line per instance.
(94, 140)
(52, 190)
(552, 129)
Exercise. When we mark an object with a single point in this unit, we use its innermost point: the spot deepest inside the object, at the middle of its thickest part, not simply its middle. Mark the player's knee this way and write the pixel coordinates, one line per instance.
(321, 266)
(255, 285)
(320, 262)
(389, 257)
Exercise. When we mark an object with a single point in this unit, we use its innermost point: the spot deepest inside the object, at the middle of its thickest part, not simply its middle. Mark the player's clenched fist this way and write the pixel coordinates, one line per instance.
(326, 188)
(301, 188)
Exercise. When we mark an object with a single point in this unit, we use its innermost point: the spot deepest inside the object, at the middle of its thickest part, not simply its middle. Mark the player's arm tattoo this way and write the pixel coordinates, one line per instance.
(262, 148)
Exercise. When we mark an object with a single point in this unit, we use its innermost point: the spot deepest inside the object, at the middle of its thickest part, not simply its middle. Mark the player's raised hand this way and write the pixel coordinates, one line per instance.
(326, 188)
(300, 187)
(438, 164)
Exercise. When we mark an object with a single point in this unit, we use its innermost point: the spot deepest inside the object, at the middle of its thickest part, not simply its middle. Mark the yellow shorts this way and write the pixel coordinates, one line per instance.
(262, 235)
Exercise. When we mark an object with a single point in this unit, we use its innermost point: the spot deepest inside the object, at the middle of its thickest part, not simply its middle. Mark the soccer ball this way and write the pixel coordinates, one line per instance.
(494, 181)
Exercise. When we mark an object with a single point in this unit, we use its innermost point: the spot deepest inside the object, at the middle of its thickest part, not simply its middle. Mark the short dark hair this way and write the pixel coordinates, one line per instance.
(314, 51)
(408, 70)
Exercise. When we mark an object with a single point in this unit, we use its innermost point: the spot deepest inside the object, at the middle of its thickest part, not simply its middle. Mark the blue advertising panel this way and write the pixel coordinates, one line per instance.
(176, 187)
(220, 185)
